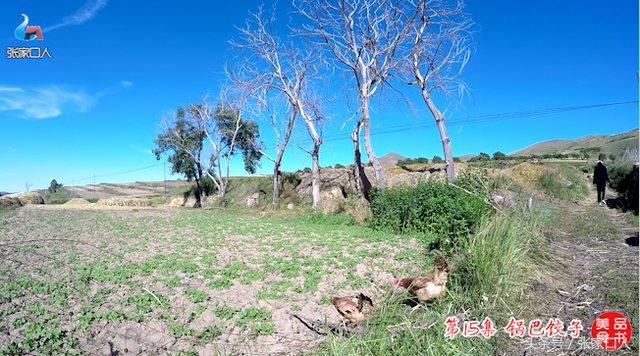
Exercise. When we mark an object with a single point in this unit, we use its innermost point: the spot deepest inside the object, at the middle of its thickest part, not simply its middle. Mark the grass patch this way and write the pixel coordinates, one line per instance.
(564, 182)
(594, 223)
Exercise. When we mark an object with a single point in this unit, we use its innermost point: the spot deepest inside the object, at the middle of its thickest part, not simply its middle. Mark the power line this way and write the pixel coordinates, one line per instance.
(470, 119)
(407, 127)
(480, 118)
(116, 173)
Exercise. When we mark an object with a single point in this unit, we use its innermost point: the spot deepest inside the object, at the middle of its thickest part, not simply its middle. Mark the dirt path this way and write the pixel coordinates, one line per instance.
(596, 271)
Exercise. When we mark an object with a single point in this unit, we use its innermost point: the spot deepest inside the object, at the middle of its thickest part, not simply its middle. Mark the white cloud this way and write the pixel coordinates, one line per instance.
(12, 149)
(141, 150)
(83, 14)
(49, 101)
(44, 102)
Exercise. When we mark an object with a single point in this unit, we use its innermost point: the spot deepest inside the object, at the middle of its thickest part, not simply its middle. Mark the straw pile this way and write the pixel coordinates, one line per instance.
(10, 201)
(77, 201)
(30, 198)
(176, 202)
(125, 201)
(527, 173)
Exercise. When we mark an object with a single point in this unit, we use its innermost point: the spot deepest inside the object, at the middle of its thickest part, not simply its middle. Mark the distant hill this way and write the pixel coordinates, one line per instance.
(608, 144)
(390, 159)
(467, 157)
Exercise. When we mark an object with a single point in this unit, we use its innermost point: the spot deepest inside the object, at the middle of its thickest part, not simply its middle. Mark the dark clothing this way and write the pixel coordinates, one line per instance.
(601, 190)
(600, 174)
(600, 179)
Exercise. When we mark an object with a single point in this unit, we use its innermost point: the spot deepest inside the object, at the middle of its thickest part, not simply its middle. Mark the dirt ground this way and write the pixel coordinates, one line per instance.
(585, 266)
(143, 255)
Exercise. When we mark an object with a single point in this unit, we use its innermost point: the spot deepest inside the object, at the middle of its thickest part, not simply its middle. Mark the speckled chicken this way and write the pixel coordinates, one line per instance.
(354, 308)
(431, 286)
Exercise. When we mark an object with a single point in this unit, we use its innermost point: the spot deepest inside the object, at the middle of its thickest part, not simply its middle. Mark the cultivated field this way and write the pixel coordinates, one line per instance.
(163, 280)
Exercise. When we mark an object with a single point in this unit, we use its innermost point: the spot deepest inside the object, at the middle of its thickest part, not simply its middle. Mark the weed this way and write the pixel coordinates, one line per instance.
(196, 296)
(220, 284)
(225, 313)
(208, 334)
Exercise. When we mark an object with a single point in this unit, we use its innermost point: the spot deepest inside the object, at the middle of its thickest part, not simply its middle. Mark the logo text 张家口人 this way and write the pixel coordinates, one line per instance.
(27, 52)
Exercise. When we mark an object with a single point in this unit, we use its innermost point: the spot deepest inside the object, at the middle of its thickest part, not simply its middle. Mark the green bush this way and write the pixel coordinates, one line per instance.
(445, 213)
(622, 180)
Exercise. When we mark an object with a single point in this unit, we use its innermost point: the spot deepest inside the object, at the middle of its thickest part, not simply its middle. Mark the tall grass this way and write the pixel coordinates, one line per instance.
(489, 273)
(564, 183)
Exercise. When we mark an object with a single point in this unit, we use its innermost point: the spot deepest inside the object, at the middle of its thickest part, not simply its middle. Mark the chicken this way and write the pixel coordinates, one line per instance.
(431, 286)
(354, 308)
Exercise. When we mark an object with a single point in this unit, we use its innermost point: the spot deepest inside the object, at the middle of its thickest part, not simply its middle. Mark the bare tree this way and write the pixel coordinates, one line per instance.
(441, 48)
(290, 72)
(27, 185)
(366, 38)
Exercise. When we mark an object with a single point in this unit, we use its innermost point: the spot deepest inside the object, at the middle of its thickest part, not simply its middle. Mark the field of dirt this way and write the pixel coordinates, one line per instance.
(163, 280)
(109, 190)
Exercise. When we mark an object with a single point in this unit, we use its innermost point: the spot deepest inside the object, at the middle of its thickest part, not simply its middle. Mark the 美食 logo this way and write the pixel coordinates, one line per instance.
(28, 33)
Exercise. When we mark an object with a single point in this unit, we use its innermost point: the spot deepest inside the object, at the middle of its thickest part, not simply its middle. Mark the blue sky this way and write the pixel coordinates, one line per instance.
(117, 66)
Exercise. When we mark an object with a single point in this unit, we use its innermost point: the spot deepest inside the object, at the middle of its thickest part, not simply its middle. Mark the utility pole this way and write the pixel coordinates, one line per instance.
(165, 177)
(74, 187)
(94, 185)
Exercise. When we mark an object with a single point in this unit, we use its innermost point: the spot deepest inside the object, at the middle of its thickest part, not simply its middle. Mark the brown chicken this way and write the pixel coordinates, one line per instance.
(354, 308)
(431, 286)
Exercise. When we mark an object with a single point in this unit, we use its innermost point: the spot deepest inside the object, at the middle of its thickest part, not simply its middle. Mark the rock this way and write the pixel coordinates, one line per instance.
(253, 200)
(332, 200)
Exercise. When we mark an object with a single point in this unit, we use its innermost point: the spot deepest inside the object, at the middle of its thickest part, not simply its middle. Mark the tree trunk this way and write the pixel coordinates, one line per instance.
(277, 179)
(446, 142)
(222, 190)
(362, 183)
(198, 203)
(377, 168)
(315, 174)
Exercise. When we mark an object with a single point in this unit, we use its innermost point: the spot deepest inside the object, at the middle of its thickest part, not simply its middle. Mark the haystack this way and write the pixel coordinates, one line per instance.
(31, 198)
(526, 173)
(125, 201)
(176, 202)
(77, 201)
(10, 202)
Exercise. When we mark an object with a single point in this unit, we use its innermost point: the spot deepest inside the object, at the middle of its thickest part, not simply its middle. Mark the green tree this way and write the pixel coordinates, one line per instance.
(54, 186)
(437, 159)
(227, 134)
(456, 159)
(184, 139)
(602, 156)
(612, 157)
(499, 156)
(480, 157)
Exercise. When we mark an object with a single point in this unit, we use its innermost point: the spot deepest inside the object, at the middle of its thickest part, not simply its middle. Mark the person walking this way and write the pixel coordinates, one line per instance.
(600, 179)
